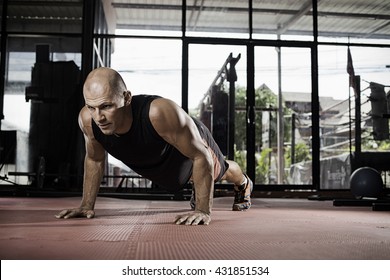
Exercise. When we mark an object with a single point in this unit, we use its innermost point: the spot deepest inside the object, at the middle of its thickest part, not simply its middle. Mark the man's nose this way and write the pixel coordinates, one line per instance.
(99, 116)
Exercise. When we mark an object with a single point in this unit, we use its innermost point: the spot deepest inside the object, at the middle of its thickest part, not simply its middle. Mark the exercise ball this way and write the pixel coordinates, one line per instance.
(366, 182)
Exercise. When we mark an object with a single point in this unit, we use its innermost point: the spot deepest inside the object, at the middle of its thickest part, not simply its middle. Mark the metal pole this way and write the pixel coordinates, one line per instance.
(358, 128)
(87, 39)
(315, 104)
(3, 59)
(280, 137)
(250, 122)
(293, 117)
(184, 66)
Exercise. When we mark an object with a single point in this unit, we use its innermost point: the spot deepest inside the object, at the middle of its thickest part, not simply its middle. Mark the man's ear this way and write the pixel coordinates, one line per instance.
(127, 96)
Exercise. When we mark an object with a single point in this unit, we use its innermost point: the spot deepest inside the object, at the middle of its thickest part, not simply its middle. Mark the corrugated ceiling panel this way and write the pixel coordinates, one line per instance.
(336, 17)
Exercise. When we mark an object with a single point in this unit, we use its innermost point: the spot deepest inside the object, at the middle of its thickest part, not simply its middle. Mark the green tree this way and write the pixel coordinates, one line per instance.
(302, 153)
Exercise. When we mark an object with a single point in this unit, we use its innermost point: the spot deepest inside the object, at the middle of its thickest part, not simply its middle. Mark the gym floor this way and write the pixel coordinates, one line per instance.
(273, 229)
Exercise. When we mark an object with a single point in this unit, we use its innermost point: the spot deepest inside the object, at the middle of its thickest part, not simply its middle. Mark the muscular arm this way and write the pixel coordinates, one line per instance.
(93, 171)
(93, 174)
(178, 129)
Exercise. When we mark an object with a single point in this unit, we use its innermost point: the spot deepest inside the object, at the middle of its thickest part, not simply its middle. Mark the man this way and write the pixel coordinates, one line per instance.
(155, 138)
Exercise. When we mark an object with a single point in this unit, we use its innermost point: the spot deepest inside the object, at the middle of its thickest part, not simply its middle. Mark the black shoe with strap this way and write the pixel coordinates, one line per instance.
(242, 196)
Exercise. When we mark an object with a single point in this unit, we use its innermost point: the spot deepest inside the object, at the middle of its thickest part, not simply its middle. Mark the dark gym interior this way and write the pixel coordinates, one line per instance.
(297, 92)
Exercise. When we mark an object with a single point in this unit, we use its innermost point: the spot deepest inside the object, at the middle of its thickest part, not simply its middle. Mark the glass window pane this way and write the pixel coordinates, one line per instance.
(147, 69)
(294, 158)
(45, 16)
(218, 18)
(289, 19)
(21, 54)
(209, 91)
(21, 59)
(337, 118)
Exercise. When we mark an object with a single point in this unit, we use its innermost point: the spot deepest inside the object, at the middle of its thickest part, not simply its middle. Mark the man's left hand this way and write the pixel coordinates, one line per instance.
(193, 218)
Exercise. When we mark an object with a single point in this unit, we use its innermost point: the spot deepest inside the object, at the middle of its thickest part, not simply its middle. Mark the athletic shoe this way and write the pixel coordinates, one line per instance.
(242, 196)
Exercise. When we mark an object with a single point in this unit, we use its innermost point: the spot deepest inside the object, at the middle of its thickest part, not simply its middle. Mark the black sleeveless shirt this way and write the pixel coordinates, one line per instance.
(144, 151)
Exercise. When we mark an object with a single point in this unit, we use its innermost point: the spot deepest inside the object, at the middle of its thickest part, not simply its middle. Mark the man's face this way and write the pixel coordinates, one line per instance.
(106, 108)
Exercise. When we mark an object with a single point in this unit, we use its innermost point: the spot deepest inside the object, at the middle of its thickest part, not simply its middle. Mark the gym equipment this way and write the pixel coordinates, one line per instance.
(38, 176)
(366, 182)
(218, 108)
(367, 185)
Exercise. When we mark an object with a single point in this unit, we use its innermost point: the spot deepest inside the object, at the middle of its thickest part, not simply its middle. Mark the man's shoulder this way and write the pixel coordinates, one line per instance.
(85, 121)
(85, 116)
(161, 105)
(165, 113)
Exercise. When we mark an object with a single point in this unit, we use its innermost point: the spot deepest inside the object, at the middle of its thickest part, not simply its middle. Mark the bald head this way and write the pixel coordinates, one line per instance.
(104, 80)
(108, 101)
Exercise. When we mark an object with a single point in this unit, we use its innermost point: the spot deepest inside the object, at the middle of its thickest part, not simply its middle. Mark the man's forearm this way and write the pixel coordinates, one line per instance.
(93, 174)
(204, 185)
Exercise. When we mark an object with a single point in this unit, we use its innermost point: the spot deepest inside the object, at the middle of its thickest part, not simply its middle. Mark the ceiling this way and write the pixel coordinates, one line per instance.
(336, 18)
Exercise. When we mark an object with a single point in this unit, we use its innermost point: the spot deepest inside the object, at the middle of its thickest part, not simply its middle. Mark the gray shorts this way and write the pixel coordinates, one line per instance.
(220, 164)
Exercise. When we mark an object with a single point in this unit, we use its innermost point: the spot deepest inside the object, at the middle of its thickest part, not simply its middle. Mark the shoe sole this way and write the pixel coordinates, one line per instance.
(241, 206)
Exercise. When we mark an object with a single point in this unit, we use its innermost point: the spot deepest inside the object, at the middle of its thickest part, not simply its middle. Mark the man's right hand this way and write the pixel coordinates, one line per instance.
(76, 212)
(193, 218)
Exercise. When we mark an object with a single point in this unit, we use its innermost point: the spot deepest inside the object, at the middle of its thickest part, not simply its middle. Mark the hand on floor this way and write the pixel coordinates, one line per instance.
(193, 218)
(76, 212)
